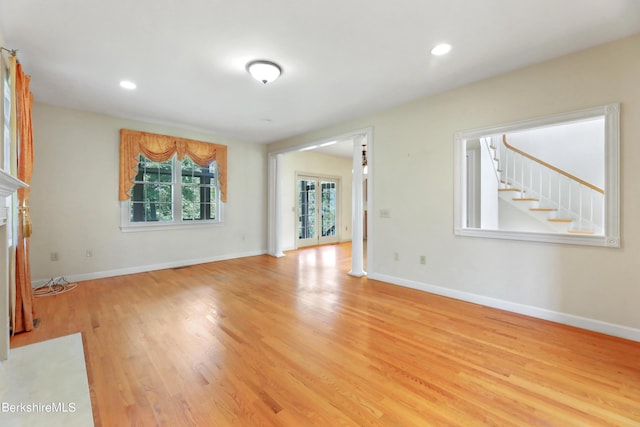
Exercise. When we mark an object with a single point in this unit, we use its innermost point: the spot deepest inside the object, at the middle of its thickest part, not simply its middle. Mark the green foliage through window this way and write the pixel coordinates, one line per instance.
(174, 191)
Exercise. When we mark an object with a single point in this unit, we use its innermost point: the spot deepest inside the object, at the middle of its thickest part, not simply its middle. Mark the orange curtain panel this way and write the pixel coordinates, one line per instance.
(24, 313)
(160, 148)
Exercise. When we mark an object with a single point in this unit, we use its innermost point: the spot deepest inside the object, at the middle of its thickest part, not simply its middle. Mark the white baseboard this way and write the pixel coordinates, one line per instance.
(528, 310)
(145, 268)
(537, 312)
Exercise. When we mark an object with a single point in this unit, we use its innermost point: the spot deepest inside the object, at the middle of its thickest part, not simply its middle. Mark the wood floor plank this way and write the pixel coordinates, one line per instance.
(296, 341)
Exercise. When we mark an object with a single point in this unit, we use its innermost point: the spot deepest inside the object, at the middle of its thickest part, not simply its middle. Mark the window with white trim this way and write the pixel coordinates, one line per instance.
(173, 193)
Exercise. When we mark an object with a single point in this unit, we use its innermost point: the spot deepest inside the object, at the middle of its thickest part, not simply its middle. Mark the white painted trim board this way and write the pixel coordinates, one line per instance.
(147, 268)
(528, 310)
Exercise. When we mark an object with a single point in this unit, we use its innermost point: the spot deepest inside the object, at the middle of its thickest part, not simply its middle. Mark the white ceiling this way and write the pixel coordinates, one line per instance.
(341, 58)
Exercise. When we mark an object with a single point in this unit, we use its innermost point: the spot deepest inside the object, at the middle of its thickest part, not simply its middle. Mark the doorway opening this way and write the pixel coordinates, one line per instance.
(279, 226)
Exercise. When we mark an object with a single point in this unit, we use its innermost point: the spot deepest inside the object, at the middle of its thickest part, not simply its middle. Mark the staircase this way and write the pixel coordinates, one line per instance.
(545, 193)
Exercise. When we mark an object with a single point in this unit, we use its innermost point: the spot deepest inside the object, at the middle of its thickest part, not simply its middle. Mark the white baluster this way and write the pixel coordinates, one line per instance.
(549, 178)
(570, 207)
(559, 192)
(580, 201)
(591, 207)
(540, 187)
(522, 177)
(506, 166)
(531, 175)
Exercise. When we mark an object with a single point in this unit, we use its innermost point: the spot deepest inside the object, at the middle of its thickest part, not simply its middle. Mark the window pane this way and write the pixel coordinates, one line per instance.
(328, 210)
(165, 172)
(152, 195)
(187, 165)
(190, 202)
(307, 209)
(152, 192)
(137, 212)
(164, 212)
(187, 170)
(164, 192)
(199, 190)
(151, 211)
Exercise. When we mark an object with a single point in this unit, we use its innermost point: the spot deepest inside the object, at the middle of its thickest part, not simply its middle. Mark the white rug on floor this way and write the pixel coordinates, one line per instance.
(45, 384)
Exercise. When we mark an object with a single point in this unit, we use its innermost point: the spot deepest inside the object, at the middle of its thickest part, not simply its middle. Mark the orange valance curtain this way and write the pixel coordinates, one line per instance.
(161, 148)
(24, 313)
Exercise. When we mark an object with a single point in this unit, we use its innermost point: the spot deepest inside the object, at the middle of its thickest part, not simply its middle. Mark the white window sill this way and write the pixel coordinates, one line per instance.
(156, 226)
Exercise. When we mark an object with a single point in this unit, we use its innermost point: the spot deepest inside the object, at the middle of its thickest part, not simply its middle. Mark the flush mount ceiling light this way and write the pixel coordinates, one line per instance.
(264, 71)
(441, 49)
(125, 84)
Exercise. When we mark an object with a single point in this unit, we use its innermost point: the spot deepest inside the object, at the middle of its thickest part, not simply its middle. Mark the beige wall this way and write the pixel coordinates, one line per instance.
(413, 178)
(311, 163)
(74, 201)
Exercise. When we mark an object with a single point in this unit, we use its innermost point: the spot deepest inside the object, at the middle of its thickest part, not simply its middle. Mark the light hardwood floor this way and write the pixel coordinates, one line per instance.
(295, 341)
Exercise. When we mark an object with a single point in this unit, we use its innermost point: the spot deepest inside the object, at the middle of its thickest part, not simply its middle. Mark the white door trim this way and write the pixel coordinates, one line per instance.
(274, 205)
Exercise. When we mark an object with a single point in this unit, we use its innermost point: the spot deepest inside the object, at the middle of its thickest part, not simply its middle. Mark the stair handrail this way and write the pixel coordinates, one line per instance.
(547, 165)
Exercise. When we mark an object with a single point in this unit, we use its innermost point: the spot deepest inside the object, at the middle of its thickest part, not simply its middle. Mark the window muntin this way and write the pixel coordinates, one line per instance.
(174, 192)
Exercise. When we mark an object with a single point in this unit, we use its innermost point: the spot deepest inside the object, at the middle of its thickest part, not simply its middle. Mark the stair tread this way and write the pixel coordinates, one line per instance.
(543, 209)
(560, 220)
(525, 199)
(509, 189)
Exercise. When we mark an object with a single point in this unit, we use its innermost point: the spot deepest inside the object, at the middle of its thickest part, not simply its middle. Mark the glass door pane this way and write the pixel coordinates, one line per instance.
(307, 211)
(328, 209)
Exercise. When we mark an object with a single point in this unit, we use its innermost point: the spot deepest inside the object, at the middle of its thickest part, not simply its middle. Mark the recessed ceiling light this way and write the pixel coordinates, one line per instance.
(126, 84)
(441, 49)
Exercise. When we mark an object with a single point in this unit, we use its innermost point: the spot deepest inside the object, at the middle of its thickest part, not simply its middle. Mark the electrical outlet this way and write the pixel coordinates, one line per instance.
(54, 256)
(423, 259)
(385, 213)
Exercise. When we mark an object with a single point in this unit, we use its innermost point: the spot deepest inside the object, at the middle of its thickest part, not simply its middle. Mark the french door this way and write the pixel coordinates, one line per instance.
(317, 210)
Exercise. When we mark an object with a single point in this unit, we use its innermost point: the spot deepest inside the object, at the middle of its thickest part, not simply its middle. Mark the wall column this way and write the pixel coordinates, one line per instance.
(275, 206)
(357, 200)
